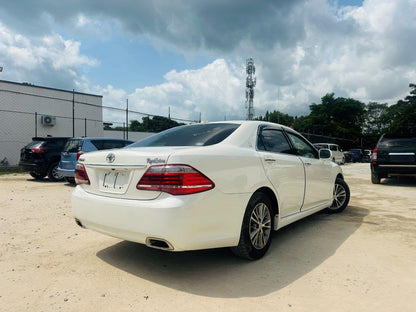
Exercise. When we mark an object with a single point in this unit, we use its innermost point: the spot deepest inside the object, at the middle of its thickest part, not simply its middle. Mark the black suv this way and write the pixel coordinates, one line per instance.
(393, 155)
(41, 157)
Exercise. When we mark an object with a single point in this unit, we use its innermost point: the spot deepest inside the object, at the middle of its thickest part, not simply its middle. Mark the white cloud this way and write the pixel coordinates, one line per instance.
(214, 90)
(47, 60)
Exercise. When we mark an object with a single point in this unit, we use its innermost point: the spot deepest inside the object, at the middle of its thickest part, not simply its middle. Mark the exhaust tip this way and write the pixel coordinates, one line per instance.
(79, 223)
(158, 243)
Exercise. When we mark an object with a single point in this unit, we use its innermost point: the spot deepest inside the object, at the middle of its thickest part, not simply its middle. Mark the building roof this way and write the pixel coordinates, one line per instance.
(25, 84)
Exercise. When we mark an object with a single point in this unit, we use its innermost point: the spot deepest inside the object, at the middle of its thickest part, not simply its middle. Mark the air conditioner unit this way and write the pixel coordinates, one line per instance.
(47, 120)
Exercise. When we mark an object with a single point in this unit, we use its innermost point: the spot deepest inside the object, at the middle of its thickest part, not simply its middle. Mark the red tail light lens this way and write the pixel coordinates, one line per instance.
(40, 150)
(79, 154)
(374, 156)
(175, 180)
(81, 176)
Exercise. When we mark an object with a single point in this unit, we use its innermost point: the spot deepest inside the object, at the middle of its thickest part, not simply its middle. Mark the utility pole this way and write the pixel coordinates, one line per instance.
(250, 84)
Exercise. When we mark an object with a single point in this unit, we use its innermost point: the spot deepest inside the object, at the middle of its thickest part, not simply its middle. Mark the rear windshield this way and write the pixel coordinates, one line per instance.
(192, 135)
(109, 144)
(73, 146)
(397, 142)
(321, 146)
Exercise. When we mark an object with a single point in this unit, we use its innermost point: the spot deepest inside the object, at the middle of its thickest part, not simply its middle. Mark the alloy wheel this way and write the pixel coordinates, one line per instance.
(260, 226)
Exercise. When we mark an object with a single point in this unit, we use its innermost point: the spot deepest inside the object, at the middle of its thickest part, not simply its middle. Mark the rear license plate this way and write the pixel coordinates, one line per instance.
(114, 181)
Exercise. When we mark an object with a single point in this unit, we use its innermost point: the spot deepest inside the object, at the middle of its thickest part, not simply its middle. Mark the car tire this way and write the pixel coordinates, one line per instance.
(375, 178)
(258, 219)
(343, 161)
(53, 174)
(341, 196)
(37, 176)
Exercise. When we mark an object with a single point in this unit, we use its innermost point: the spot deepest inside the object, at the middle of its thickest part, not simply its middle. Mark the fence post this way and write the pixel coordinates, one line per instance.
(85, 127)
(73, 113)
(127, 119)
(36, 124)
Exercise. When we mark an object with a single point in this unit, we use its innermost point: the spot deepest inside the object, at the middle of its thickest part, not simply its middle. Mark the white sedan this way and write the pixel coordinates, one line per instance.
(222, 184)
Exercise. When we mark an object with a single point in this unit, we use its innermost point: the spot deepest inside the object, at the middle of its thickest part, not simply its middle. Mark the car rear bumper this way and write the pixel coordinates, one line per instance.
(33, 167)
(66, 173)
(393, 169)
(189, 222)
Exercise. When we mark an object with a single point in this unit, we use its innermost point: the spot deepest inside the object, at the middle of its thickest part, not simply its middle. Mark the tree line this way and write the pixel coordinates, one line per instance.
(348, 118)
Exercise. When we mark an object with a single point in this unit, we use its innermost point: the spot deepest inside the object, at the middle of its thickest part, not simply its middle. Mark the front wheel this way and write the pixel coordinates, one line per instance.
(341, 196)
(257, 228)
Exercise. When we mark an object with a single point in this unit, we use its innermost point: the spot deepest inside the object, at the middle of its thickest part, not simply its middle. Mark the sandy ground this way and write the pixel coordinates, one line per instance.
(361, 260)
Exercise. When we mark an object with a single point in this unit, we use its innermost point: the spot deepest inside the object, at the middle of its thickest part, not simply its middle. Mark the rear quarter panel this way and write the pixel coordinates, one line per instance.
(233, 169)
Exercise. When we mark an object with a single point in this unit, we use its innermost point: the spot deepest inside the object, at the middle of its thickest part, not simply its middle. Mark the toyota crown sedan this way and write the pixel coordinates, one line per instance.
(221, 184)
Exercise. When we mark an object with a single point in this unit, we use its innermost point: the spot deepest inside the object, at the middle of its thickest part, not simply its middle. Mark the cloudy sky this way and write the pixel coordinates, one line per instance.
(190, 55)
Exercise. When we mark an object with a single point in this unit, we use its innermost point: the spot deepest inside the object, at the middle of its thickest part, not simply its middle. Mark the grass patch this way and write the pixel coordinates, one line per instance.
(11, 169)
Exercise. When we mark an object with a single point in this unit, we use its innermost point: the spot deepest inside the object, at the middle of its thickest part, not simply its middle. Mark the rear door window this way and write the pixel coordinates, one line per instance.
(273, 140)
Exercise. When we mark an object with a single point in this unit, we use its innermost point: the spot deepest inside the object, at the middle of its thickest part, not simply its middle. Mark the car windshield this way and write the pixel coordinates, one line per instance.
(192, 135)
(73, 146)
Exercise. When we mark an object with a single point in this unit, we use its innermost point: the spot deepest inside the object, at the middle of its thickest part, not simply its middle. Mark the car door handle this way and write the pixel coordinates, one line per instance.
(308, 164)
(269, 159)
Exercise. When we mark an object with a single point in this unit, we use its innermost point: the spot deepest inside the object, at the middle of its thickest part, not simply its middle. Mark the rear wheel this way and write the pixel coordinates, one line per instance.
(53, 173)
(375, 178)
(257, 228)
(37, 176)
(341, 196)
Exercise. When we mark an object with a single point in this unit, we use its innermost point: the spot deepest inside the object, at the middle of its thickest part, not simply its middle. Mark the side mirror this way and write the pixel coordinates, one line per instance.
(324, 153)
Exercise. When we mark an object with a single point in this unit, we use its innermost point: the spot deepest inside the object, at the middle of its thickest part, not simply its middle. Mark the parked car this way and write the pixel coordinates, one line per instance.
(393, 155)
(357, 154)
(337, 154)
(367, 155)
(223, 184)
(347, 156)
(75, 147)
(41, 157)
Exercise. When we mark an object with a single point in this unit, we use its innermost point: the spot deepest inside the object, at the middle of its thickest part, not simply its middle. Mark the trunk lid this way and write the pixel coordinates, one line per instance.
(115, 173)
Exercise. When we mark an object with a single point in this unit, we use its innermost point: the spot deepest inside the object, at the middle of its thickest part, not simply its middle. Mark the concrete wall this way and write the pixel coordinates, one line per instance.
(19, 122)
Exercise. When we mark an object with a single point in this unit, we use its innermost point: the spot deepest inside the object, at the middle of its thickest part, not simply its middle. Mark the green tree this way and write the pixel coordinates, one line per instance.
(374, 122)
(401, 117)
(337, 117)
(278, 117)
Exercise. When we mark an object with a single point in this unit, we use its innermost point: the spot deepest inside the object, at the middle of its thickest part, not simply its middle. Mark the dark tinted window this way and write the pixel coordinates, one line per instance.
(193, 135)
(333, 147)
(273, 140)
(398, 143)
(302, 147)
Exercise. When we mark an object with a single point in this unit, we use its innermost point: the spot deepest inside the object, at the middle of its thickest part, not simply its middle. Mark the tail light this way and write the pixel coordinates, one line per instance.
(39, 150)
(374, 156)
(79, 154)
(175, 180)
(81, 176)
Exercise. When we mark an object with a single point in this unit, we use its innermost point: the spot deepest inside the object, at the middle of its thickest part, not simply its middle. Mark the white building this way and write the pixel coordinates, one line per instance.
(27, 111)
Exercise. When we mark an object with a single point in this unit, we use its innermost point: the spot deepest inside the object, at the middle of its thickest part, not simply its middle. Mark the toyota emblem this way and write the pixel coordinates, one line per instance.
(110, 158)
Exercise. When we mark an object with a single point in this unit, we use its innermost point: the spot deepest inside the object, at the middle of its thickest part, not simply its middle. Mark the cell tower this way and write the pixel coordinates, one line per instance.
(250, 84)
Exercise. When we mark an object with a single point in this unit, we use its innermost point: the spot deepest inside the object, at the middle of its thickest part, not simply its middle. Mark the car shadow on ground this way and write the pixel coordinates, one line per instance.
(296, 250)
(399, 181)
